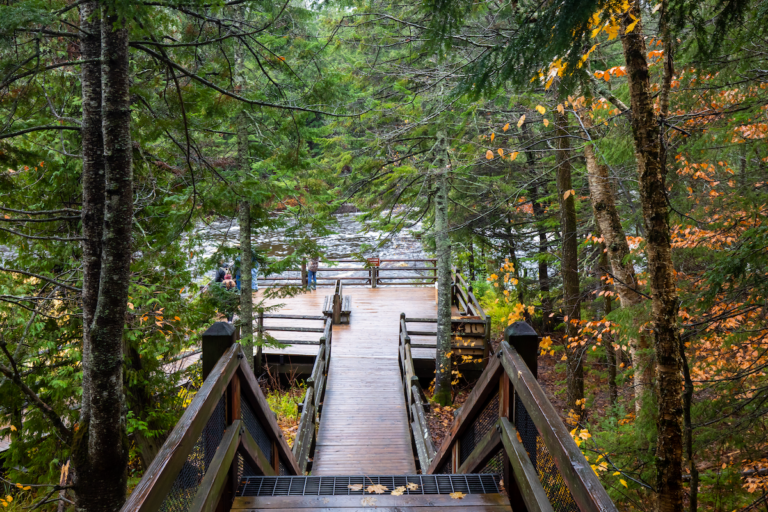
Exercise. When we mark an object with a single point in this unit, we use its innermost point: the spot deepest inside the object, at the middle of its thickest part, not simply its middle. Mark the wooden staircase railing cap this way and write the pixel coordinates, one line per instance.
(525, 340)
(216, 341)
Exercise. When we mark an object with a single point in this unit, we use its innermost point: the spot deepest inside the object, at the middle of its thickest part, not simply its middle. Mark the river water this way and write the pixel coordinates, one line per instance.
(348, 239)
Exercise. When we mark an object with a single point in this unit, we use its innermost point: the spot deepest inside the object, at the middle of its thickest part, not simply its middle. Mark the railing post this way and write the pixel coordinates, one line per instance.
(304, 281)
(524, 339)
(216, 340)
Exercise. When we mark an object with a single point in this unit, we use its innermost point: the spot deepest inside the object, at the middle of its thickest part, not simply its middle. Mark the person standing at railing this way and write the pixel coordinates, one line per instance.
(312, 273)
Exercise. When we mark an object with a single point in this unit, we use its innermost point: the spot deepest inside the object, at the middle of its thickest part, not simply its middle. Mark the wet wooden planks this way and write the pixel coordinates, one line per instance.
(364, 426)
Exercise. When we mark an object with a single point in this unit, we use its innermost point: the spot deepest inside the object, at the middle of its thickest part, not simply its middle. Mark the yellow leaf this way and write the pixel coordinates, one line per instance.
(549, 83)
(398, 491)
(378, 489)
(412, 486)
(506, 127)
(560, 108)
(521, 121)
(513, 156)
(540, 109)
(13, 429)
(177, 319)
(9, 499)
(356, 487)
(623, 483)
(567, 193)
(19, 486)
(617, 473)
(631, 26)
(489, 154)
(457, 495)
(563, 358)
(546, 122)
(501, 152)
(27, 488)
(130, 305)
(493, 136)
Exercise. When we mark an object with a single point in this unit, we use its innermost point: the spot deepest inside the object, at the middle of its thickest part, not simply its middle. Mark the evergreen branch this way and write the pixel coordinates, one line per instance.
(40, 212)
(9, 81)
(38, 276)
(38, 129)
(47, 410)
(215, 87)
(54, 219)
(31, 237)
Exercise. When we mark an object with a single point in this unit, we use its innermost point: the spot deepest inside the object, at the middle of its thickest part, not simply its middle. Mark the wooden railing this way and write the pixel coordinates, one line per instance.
(304, 444)
(372, 278)
(416, 401)
(508, 425)
(261, 329)
(226, 432)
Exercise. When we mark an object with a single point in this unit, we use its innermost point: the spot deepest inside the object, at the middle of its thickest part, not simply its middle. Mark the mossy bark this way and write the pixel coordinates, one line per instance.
(652, 184)
(443, 394)
(569, 265)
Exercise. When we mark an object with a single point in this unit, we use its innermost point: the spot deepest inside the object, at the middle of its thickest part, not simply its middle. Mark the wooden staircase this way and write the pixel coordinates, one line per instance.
(507, 449)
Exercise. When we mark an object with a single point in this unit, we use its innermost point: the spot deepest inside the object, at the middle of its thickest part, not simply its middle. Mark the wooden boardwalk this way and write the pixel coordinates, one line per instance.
(364, 426)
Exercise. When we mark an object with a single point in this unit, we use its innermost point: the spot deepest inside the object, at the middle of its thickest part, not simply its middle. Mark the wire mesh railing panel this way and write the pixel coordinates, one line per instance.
(479, 428)
(357, 485)
(495, 464)
(254, 428)
(551, 480)
(199, 460)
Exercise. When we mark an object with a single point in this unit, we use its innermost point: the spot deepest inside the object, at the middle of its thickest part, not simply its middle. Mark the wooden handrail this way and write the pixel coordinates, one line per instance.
(584, 485)
(415, 406)
(231, 375)
(303, 443)
(509, 375)
(158, 479)
(486, 386)
(528, 483)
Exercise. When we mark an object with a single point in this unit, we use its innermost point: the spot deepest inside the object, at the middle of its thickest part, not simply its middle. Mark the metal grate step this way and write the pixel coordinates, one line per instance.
(339, 485)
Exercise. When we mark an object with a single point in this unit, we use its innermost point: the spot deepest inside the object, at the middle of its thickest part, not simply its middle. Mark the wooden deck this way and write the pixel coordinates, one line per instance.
(364, 427)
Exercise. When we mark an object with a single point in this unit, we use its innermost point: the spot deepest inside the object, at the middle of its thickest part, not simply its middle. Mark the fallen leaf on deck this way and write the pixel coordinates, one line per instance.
(378, 489)
(412, 486)
(356, 487)
(457, 495)
(398, 491)
(368, 502)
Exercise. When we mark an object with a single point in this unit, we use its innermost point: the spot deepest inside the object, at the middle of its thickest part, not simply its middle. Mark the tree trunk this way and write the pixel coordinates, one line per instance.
(570, 265)
(652, 184)
(613, 392)
(244, 210)
(246, 297)
(538, 215)
(100, 447)
(443, 248)
(92, 179)
(602, 197)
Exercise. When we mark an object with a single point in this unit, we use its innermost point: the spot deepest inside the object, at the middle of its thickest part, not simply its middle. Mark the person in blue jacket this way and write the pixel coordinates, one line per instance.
(255, 267)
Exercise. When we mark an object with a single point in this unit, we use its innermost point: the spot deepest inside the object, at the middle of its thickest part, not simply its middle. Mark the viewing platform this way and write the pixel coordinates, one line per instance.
(363, 440)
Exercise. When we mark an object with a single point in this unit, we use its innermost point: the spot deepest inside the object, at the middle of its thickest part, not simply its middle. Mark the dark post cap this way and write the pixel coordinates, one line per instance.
(524, 339)
(519, 329)
(220, 329)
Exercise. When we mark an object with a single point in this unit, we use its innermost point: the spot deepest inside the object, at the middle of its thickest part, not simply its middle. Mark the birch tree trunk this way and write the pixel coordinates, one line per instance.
(100, 447)
(569, 265)
(603, 200)
(92, 179)
(442, 393)
(652, 184)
